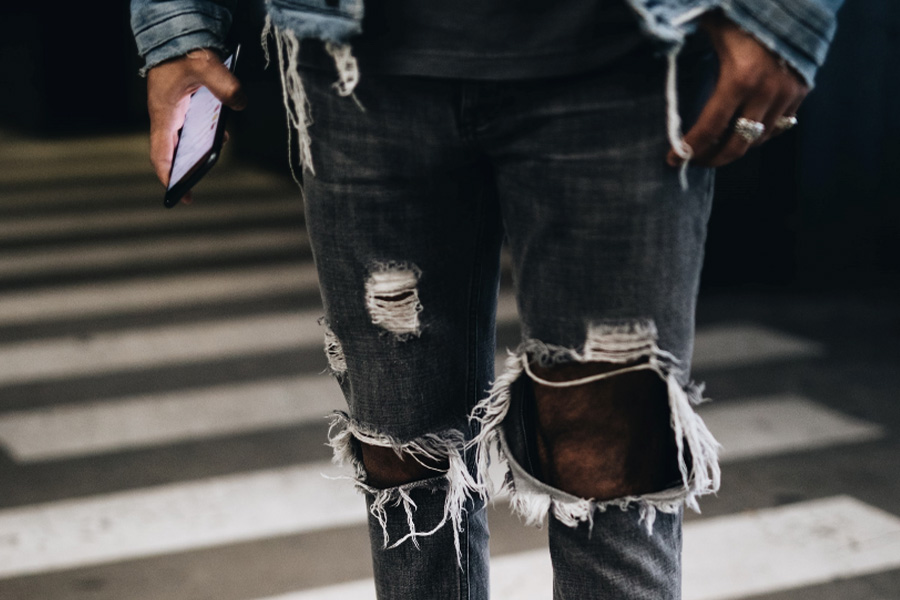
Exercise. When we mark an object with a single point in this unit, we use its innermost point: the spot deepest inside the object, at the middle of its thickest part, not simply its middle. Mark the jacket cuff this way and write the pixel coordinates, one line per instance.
(799, 31)
(175, 34)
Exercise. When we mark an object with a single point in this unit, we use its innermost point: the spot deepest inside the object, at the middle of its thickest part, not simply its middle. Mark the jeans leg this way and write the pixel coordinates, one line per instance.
(424, 567)
(614, 557)
(607, 249)
(405, 232)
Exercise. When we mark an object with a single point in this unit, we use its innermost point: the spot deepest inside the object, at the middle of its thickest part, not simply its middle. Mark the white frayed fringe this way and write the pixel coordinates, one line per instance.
(458, 482)
(334, 352)
(673, 118)
(617, 343)
(533, 505)
(392, 299)
(296, 104)
(264, 40)
(347, 68)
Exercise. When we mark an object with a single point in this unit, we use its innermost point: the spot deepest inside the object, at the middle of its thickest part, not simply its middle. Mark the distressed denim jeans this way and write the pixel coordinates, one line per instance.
(407, 209)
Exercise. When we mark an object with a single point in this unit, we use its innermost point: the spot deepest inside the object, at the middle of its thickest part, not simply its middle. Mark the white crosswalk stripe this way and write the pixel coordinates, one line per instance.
(784, 423)
(173, 518)
(158, 293)
(142, 191)
(736, 344)
(87, 428)
(105, 352)
(788, 547)
(32, 171)
(19, 150)
(143, 219)
(171, 248)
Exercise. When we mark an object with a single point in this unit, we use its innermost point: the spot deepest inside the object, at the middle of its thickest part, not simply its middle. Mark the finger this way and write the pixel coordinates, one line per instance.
(221, 82)
(789, 111)
(788, 92)
(712, 125)
(777, 110)
(794, 107)
(737, 145)
(162, 150)
(757, 107)
(164, 127)
(163, 140)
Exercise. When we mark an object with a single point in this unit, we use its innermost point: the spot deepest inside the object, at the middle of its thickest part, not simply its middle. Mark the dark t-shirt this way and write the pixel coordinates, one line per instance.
(489, 39)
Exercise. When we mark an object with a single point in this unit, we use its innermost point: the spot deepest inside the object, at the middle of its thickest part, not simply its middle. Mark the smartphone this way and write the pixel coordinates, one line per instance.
(199, 141)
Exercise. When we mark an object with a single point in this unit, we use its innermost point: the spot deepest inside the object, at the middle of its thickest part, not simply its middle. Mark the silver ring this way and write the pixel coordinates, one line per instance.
(749, 129)
(786, 122)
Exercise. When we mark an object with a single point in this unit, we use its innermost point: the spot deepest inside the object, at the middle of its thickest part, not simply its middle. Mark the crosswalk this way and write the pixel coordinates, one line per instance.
(170, 362)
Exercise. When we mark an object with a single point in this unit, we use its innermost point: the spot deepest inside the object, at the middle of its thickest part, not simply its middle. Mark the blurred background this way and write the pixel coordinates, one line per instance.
(162, 400)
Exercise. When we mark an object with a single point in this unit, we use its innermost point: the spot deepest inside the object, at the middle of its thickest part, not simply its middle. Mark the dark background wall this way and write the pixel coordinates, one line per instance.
(820, 206)
(68, 68)
(817, 208)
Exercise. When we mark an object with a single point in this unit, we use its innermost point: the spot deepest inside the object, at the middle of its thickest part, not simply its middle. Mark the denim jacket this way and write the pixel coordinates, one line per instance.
(799, 31)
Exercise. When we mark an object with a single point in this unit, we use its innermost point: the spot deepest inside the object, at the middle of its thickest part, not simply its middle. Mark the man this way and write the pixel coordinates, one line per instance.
(556, 125)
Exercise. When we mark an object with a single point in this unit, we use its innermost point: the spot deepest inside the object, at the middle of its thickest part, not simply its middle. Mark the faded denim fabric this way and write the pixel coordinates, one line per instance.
(406, 213)
(799, 31)
(328, 20)
(165, 29)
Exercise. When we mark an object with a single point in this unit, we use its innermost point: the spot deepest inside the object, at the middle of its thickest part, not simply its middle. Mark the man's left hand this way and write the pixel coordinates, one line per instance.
(753, 84)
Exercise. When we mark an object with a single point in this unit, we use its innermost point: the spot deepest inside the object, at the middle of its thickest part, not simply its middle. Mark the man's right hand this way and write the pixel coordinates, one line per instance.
(169, 88)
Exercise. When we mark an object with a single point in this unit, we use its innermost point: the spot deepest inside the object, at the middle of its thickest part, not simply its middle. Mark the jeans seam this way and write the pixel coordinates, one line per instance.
(475, 298)
(465, 590)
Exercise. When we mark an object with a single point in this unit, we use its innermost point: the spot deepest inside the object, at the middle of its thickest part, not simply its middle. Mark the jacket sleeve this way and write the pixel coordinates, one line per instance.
(799, 31)
(164, 29)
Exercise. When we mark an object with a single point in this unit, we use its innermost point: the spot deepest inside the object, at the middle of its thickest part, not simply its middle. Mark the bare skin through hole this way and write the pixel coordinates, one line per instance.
(385, 469)
(606, 439)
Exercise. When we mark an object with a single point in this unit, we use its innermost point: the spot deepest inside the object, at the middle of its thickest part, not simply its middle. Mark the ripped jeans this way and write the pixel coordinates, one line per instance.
(407, 210)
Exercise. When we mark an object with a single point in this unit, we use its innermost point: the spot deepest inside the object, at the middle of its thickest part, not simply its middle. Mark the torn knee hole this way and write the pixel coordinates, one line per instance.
(620, 357)
(386, 468)
(607, 438)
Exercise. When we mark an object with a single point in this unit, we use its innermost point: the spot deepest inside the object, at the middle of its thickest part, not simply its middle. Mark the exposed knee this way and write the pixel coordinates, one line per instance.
(604, 439)
(385, 468)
